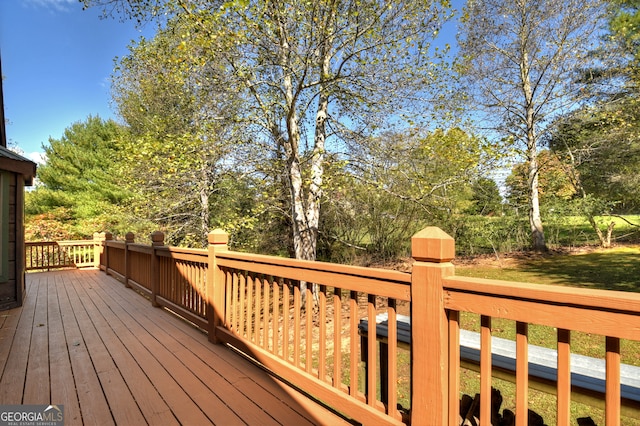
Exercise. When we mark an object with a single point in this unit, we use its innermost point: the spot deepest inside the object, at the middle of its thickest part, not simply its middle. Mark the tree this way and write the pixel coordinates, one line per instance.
(79, 184)
(520, 60)
(485, 197)
(598, 142)
(310, 71)
(180, 114)
(600, 149)
(555, 185)
(407, 180)
(624, 27)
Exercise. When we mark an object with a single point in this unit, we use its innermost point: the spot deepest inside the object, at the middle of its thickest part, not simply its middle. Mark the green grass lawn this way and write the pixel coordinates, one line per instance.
(611, 269)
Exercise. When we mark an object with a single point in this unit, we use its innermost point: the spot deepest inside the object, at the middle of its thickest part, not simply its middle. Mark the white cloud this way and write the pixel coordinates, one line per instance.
(59, 5)
(37, 157)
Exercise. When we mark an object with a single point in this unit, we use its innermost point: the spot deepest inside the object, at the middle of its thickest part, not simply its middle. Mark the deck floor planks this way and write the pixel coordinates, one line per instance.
(93, 404)
(122, 404)
(182, 406)
(133, 359)
(264, 390)
(113, 358)
(10, 319)
(182, 347)
(61, 374)
(37, 384)
(15, 369)
(153, 407)
(190, 381)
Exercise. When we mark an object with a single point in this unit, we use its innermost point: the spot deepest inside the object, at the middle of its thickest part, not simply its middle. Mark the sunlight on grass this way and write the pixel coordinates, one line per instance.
(613, 269)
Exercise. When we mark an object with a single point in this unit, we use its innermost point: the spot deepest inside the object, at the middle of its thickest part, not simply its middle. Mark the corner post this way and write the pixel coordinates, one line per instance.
(98, 249)
(218, 242)
(128, 239)
(101, 251)
(432, 249)
(157, 240)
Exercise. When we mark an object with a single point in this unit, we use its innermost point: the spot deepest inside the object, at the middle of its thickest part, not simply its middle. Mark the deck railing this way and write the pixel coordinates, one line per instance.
(47, 255)
(300, 320)
(614, 315)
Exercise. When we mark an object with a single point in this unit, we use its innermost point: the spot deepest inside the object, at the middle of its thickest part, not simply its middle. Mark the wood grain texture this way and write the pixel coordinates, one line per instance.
(112, 358)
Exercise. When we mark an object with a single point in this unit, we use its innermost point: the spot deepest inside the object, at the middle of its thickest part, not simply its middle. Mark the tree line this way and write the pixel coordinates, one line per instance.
(337, 129)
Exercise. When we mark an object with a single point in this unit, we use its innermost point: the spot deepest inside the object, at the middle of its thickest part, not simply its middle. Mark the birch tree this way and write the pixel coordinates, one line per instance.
(521, 59)
(311, 73)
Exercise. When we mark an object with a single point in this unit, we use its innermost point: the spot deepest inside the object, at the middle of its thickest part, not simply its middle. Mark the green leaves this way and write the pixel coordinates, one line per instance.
(78, 178)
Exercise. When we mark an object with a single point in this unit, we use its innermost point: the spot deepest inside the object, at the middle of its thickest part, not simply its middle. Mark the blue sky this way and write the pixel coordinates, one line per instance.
(56, 62)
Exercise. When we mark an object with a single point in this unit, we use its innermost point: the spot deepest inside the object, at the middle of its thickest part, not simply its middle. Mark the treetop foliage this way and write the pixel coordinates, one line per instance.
(333, 128)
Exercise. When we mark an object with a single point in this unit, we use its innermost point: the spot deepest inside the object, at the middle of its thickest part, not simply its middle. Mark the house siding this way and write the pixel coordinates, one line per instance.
(11, 291)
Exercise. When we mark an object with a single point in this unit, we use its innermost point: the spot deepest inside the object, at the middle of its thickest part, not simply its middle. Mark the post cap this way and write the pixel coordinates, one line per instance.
(432, 244)
(157, 238)
(218, 236)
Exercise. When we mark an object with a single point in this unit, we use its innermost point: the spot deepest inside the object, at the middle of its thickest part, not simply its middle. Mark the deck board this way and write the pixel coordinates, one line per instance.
(84, 341)
(36, 389)
(62, 385)
(187, 370)
(186, 344)
(15, 368)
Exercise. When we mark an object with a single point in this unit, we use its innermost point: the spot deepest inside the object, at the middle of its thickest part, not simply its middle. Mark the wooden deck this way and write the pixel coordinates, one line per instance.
(84, 341)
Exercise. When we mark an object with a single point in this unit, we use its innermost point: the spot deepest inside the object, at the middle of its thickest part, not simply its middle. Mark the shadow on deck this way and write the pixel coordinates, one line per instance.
(84, 341)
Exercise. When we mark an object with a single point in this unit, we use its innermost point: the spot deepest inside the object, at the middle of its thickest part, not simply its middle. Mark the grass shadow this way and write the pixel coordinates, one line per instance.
(612, 269)
(617, 269)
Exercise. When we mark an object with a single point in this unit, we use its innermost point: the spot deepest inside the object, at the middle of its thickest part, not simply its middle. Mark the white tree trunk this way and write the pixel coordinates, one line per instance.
(535, 219)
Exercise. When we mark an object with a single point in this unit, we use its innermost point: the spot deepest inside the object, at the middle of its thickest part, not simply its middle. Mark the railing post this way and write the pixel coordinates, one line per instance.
(432, 249)
(128, 239)
(100, 253)
(157, 240)
(98, 238)
(218, 240)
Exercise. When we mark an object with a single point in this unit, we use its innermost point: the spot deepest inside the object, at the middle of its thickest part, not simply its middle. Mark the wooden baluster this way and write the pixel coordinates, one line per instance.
(390, 385)
(251, 312)
(564, 377)
(485, 370)
(522, 372)
(157, 240)
(233, 306)
(322, 334)
(612, 392)
(454, 366)
(372, 382)
(242, 299)
(286, 312)
(266, 316)
(275, 317)
(308, 311)
(129, 239)
(258, 316)
(296, 325)
(337, 337)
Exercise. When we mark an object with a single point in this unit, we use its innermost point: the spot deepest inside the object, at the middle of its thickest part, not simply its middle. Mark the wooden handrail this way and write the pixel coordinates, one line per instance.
(267, 307)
